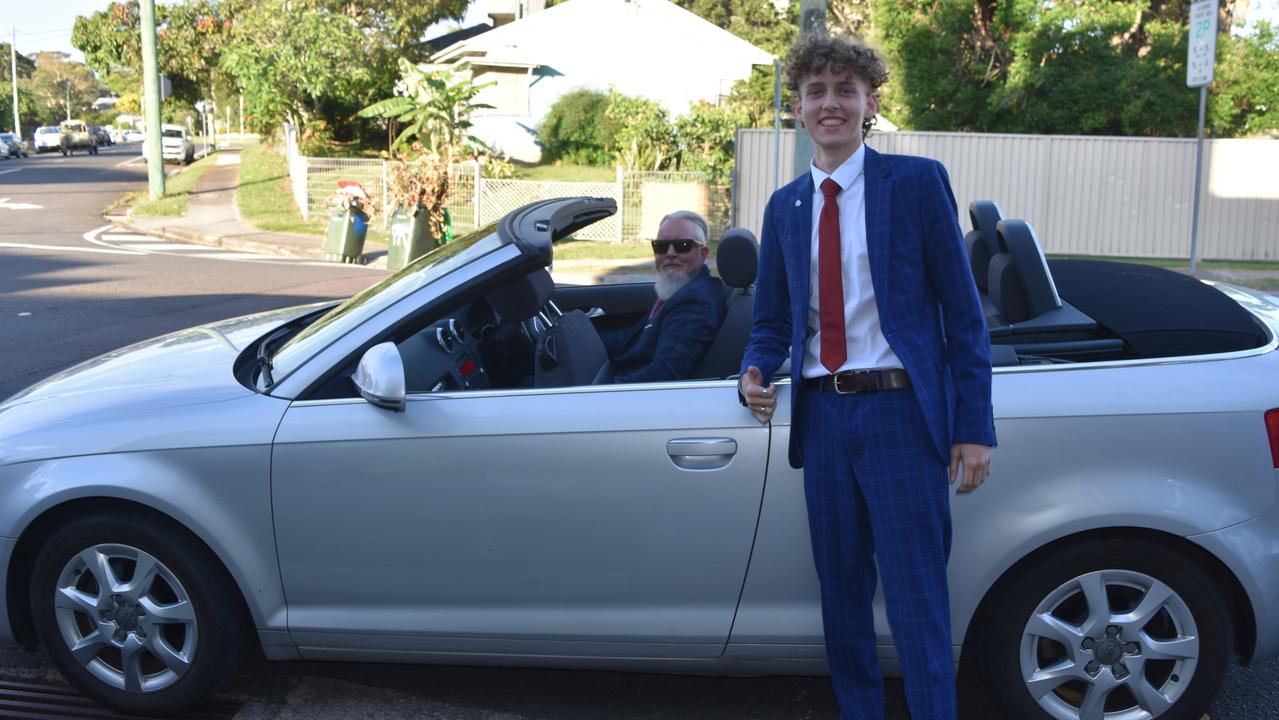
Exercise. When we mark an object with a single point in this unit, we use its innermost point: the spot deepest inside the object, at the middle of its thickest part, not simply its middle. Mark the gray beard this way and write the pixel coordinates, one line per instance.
(666, 286)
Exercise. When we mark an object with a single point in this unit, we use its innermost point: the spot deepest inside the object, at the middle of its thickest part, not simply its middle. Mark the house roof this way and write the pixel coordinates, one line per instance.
(525, 41)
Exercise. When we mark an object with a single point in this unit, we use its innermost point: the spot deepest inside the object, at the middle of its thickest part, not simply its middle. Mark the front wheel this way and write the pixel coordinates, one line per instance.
(136, 613)
(1124, 629)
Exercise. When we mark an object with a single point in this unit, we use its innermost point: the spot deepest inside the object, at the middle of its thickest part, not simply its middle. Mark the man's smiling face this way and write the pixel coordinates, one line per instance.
(833, 107)
(673, 264)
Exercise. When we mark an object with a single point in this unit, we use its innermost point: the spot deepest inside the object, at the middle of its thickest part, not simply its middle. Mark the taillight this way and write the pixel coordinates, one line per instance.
(1272, 429)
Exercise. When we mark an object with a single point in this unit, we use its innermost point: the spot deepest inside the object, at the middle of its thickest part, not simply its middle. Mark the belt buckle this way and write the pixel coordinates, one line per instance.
(851, 376)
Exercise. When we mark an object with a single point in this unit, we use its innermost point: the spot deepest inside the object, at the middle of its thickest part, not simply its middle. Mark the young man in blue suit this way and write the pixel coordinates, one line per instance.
(865, 287)
(669, 342)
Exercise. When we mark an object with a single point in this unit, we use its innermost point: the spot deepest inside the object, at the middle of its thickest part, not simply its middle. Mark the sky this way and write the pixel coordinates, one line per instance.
(46, 24)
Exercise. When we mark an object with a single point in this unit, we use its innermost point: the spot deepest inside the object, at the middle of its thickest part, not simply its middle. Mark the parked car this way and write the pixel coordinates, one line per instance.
(100, 135)
(4, 151)
(176, 144)
(132, 135)
(17, 146)
(77, 136)
(48, 138)
(440, 470)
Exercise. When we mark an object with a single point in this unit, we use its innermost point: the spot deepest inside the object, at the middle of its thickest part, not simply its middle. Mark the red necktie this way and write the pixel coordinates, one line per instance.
(830, 281)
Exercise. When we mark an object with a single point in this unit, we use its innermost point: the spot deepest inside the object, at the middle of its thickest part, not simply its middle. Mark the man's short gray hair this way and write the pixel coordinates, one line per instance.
(703, 229)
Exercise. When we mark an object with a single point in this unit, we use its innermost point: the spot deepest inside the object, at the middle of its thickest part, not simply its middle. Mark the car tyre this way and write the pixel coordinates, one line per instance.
(137, 613)
(1118, 626)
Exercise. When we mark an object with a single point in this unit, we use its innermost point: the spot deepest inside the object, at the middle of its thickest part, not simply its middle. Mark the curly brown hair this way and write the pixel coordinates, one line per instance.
(815, 52)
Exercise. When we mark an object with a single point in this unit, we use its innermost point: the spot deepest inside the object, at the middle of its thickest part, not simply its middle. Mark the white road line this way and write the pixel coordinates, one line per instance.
(130, 161)
(6, 172)
(68, 248)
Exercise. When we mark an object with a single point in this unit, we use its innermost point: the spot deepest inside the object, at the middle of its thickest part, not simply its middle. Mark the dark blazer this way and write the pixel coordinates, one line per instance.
(669, 345)
(928, 306)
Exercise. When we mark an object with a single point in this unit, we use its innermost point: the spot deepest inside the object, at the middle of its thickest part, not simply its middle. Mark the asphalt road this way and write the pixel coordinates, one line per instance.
(64, 299)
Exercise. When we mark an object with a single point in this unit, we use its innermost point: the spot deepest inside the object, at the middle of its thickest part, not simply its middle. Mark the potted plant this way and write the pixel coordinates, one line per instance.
(433, 107)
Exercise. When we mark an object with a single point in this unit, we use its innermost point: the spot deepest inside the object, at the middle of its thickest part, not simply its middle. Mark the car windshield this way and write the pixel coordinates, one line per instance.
(173, 134)
(48, 131)
(355, 311)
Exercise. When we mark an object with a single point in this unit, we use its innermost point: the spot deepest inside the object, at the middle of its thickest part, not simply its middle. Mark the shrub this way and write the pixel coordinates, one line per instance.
(576, 129)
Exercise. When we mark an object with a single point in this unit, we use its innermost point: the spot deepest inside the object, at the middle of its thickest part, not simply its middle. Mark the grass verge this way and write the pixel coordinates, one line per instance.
(566, 173)
(177, 192)
(266, 201)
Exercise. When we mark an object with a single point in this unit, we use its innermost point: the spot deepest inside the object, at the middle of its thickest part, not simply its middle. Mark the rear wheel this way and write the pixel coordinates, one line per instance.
(1128, 630)
(136, 613)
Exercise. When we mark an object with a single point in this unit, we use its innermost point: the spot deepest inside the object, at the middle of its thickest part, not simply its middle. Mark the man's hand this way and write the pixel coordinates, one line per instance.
(976, 461)
(761, 400)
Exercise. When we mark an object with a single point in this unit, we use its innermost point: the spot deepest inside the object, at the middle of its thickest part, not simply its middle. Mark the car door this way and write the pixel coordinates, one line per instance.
(601, 521)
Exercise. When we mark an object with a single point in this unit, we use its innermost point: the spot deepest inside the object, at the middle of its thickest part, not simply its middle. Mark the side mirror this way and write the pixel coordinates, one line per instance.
(380, 377)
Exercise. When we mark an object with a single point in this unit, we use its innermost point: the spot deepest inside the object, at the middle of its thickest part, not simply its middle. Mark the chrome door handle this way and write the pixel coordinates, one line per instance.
(701, 453)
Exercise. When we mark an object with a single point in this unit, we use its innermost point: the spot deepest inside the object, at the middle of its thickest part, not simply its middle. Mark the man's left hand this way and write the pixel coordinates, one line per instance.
(975, 460)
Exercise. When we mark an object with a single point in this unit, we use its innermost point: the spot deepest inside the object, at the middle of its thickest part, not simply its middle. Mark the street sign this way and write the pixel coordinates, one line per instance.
(1201, 52)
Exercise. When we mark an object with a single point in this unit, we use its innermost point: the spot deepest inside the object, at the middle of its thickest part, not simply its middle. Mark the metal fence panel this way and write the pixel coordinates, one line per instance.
(1113, 196)
(474, 201)
(499, 197)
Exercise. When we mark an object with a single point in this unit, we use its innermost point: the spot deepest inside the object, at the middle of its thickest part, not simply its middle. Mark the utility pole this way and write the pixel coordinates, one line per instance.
(13, 74)
(68, 98)
(151, 102)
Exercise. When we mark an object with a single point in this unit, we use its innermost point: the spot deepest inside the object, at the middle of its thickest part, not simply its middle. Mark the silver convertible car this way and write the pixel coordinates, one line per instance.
(439, 470)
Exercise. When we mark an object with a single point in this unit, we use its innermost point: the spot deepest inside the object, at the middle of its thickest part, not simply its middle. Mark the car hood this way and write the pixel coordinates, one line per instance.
(144, 381)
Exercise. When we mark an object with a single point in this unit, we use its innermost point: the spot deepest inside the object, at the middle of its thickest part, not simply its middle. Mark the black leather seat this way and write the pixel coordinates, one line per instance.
(569, 352)
(737, 260)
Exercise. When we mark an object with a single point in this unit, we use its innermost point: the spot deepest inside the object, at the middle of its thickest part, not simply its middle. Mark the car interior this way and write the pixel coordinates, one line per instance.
(531, 333)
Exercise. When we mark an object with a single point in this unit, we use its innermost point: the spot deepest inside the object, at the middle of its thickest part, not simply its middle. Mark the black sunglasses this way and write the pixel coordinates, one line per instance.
(681, 246)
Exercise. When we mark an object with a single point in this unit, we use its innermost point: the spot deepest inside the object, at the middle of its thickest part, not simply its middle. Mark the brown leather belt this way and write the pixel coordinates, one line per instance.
(851, 382)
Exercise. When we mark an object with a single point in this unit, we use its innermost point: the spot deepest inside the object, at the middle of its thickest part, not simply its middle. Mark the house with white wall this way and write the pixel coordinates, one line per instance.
(651, 48)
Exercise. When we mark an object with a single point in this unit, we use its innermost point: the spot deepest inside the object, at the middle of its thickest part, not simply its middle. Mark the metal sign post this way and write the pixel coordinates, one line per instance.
(1201, 55)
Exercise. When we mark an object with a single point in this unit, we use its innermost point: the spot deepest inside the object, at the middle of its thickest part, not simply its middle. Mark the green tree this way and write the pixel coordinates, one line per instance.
(27, 109)
(1245, 94)
(292, 59)
(60, 87)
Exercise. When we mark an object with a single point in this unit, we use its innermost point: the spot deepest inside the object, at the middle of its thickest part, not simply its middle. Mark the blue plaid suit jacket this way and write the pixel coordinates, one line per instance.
(928, 306)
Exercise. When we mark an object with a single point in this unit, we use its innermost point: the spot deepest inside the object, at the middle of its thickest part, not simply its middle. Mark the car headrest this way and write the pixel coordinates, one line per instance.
(985, 216)
(978, 258)
(1032, 268)
(738, 258)
(523, 298)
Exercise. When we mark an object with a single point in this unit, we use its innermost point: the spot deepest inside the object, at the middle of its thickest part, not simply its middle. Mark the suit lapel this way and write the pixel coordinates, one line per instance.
(878, 191)
(802, 241)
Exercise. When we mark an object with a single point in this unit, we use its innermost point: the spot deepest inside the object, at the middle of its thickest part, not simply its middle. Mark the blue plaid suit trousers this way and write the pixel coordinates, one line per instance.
(878, 495)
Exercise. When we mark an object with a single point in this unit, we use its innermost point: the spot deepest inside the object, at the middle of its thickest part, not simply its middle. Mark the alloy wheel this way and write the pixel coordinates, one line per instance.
(1117, 644)
(126, 618)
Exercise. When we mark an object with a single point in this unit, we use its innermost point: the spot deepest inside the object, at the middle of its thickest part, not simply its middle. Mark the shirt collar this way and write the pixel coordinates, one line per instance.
(846, 173)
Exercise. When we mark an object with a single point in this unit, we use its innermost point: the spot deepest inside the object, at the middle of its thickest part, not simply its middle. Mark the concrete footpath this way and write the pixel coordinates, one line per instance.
(212, 218)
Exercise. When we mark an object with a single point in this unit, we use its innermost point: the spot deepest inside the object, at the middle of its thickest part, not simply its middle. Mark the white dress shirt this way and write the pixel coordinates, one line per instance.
(867, 347)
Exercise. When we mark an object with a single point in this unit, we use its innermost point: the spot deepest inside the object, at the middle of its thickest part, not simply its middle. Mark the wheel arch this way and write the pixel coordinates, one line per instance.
(1242, 612)
(22, 561)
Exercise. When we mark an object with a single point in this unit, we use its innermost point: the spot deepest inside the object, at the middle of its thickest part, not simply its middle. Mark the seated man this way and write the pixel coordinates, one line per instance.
(670, 340)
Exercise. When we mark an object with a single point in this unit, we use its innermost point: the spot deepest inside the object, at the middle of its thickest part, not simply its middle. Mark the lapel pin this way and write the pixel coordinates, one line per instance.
(798, 203)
